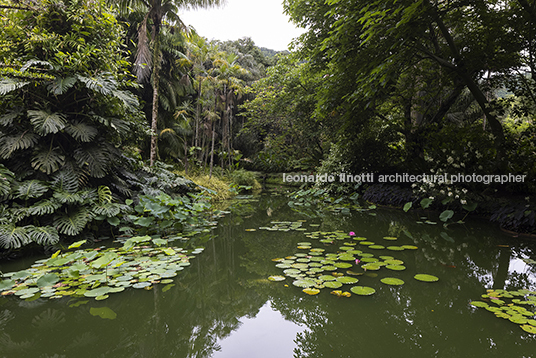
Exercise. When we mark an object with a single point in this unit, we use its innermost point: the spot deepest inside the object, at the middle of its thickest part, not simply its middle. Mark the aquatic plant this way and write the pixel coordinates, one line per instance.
(509, 305)
(99, 272)
(314, 268)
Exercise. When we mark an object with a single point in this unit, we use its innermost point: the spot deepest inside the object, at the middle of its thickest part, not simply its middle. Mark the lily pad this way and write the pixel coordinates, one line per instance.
(277, 278)
(529, 328)
(479, 304)
(311, 291)
(396, 267)
(304, 283)
(426, 278)
(327, 278)
(363, 290)
(342, 265)
(347, 280)
(395, 248)
(333, 284)
(377, 247)
(392, 281)
(49, 279)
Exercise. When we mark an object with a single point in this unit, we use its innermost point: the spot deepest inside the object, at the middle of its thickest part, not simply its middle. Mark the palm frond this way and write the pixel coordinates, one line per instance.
(11, 84)
(45, 122)
(47, 160)
(19, 141)
(13, 237)
(30, 189)
(73, 222)
(81, 131)
(61, 84)
(144, 59)
(43, 235)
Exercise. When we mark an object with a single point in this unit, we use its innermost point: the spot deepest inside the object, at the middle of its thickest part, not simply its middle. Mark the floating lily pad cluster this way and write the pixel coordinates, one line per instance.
(511, 305)
(98, 272)
(285, 226)
(314, 269)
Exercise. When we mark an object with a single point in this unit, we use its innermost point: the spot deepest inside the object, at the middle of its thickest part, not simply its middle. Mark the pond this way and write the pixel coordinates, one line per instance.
(224, 306)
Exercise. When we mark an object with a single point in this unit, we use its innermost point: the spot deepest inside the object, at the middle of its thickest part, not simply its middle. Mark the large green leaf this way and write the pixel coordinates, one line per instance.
(72, 222)
(43, 235)
(95, 156)
(18, 141)
(47, 160)
(45, 122)
(11, 84)
(31, 189)
(61, 84)
(81, 131)
(13, 237)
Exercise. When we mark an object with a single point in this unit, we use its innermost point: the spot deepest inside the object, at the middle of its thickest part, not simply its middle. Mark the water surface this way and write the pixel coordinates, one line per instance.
(223, 306)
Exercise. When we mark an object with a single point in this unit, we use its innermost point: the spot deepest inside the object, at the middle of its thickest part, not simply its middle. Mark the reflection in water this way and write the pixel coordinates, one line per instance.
(223, 306)
(267, 335)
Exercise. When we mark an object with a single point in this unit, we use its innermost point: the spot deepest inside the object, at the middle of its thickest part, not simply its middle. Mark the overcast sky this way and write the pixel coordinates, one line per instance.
(262, 20)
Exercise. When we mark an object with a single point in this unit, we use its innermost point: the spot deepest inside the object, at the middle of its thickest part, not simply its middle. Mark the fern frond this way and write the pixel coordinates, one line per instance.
(44, 207)
(73, 222)
(11, 84)
(60, 85)
(43, 235)
(81, 131)
(45, 122)
(10, 144)
(7, 119)
(96, 157)
(30, 189)
(66, 179)
(47, 160)
(13, 237)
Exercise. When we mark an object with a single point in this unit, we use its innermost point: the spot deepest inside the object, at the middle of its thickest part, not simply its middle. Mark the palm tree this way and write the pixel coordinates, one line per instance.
(158, 13)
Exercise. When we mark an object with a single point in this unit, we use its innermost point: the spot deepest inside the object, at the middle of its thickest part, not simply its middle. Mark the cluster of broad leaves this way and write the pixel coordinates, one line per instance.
(65, 110)
(315, 268)
(512, 306)
(98, 272)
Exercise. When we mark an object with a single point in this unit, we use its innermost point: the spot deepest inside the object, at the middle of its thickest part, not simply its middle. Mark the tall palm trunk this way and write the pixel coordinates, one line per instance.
(212, 151)
(154, 117)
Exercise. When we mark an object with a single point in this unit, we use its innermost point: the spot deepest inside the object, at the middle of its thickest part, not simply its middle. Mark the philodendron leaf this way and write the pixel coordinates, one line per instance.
(470, 207)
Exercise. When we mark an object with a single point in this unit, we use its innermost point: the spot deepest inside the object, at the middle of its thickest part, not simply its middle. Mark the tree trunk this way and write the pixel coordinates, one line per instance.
(154, 118)
(212, 152)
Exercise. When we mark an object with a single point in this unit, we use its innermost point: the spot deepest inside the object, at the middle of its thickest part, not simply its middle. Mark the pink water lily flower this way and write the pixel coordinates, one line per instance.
(351, 233)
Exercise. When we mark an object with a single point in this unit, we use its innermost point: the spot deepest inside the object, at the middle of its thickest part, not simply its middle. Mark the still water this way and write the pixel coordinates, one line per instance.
(223, 306)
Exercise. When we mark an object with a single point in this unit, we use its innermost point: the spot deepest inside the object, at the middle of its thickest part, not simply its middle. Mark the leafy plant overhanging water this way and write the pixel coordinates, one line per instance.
(314, 268)
(99, 272)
